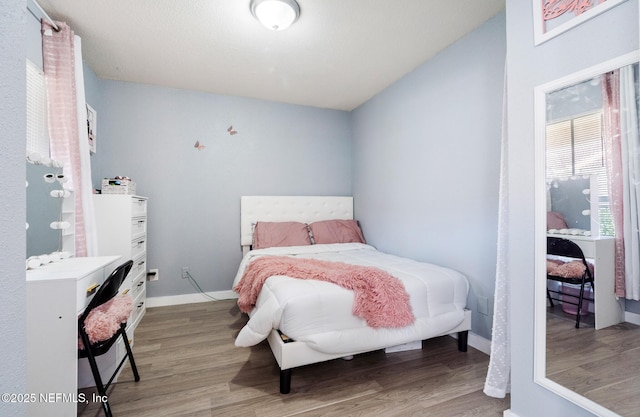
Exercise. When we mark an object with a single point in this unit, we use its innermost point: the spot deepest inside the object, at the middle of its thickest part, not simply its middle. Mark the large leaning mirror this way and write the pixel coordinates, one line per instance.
(587, 176)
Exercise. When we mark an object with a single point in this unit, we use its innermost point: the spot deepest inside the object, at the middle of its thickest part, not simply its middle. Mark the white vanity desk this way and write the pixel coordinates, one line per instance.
(608, 310)
(56, 294)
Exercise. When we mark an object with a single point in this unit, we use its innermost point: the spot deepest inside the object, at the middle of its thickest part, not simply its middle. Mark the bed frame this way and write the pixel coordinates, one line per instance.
(306, 209)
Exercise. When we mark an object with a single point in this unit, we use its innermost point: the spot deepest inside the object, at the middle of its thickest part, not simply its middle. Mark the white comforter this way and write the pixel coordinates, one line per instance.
(319, 313)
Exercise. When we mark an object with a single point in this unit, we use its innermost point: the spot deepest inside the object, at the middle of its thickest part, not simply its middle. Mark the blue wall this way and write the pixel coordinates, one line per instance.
(148, 133)
(13, 378)
(426, 159)
(604, 37)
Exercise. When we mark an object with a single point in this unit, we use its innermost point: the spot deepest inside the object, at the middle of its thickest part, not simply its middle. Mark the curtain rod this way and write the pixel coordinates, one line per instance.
(57, 29)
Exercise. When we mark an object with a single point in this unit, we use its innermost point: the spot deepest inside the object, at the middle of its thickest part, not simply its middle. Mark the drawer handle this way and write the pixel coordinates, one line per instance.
(92, 289)
(140, 221)
(141, 304)
(140, 263)
(140, 284)
(141, 243)
(125, 291)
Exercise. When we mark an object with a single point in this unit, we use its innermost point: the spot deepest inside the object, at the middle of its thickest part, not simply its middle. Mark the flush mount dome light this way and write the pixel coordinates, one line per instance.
(275, 14)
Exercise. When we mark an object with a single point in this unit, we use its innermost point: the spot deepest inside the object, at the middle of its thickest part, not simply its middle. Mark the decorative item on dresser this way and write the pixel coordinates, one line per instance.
(121, 223)
(57, 293)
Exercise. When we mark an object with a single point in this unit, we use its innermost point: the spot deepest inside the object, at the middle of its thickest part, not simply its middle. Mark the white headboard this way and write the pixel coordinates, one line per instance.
(305, 209)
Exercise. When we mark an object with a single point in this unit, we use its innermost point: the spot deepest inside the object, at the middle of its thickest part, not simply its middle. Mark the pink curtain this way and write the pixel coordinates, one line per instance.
(613, 155)
(59, 73)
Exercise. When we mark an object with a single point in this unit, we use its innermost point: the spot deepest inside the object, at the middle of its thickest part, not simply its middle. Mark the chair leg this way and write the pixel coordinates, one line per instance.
(132, 362)
(102, 392)
(580, 298)
(105, 406)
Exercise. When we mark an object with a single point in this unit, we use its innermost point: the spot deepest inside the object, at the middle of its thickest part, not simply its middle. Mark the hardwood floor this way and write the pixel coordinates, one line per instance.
(601, 365)
(189, 366)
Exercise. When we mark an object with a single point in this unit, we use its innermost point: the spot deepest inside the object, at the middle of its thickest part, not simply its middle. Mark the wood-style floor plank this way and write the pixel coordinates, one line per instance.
(189, 366)
(601, 365)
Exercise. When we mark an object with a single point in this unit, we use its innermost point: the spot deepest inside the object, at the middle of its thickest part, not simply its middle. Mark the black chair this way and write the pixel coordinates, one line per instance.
(106, 292)
(566, 248)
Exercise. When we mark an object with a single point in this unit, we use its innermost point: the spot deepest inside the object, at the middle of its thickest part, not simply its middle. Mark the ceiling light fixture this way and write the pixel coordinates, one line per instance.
(275, 14)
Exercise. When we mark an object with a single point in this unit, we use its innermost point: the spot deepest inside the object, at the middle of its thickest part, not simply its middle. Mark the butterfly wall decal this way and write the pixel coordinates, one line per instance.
(198, 146)
(231, 131)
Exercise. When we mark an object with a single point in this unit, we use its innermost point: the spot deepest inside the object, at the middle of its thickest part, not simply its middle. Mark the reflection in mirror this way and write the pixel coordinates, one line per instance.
(42, 210)
(572, 206)
(49, 221)
(590, 129)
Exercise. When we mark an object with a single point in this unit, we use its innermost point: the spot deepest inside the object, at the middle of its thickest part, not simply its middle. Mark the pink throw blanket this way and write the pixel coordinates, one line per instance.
(379, 297)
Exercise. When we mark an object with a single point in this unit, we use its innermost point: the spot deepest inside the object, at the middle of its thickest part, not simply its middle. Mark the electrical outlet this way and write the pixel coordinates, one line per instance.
(483, 305)
(185, 272)
(153, 275)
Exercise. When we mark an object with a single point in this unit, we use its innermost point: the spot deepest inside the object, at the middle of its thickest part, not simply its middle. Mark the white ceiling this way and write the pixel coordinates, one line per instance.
(337, 55)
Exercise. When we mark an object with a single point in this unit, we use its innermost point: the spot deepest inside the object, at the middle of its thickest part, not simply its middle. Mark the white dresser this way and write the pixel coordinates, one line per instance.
(607, 309)
(121, 223)
(56, 294)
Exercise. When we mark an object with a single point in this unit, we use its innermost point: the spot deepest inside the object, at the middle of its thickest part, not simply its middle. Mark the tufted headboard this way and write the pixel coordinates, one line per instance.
(306, 209)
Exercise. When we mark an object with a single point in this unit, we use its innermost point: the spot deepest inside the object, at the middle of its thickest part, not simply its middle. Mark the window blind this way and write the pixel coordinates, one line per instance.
(575, 147)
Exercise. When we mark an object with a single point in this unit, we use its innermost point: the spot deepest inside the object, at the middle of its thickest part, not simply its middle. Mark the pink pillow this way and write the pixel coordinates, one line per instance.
(336, 231)
(556, 220)
(270, 234)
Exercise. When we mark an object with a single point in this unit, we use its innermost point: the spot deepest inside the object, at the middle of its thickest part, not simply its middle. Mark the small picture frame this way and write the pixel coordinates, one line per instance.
(553, 17)
(92, 121)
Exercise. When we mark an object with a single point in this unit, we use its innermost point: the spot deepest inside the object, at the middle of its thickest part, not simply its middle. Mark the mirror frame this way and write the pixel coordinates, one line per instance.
(540, 302)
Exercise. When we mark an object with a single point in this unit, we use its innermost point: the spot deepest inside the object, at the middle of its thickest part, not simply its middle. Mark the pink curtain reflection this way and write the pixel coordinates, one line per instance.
(59, 72)
(613, 155)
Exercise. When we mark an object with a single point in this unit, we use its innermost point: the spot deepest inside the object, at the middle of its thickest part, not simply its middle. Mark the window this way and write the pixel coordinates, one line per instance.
(575, 147)
(37, 135)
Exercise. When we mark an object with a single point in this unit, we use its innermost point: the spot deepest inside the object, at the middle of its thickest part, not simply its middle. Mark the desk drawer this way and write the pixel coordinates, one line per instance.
(87, 288)
(588, 247)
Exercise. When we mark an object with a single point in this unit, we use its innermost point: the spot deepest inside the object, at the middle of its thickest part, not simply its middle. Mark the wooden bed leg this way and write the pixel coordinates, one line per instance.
(285, 381)
(463, 338)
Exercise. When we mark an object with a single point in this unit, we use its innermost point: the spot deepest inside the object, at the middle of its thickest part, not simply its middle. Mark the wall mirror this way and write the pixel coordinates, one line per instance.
(49, 212)
(594, 365)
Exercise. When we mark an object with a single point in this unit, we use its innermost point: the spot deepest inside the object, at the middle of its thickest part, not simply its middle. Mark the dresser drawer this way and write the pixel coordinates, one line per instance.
(138, 227)
(87, 288)
(138, 284)
(139, 307)
(138, 247)
(120, 349)
(138, 206)
(139, 266)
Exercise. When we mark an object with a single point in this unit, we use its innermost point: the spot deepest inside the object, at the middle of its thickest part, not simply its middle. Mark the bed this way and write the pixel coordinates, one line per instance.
(307, 321)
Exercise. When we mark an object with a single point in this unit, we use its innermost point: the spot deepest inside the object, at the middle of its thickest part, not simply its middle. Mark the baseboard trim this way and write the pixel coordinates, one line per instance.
(509, 413)
(172, 300)
(632, 317)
